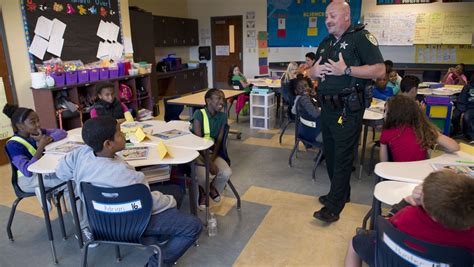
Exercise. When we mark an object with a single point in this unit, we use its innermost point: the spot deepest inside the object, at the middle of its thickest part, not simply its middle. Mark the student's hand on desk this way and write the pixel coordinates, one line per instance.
(213, 168)
(43, 140)
(416, 196)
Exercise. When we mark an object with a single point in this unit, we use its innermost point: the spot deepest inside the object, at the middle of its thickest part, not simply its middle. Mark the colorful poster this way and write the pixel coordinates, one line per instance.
(300, 23)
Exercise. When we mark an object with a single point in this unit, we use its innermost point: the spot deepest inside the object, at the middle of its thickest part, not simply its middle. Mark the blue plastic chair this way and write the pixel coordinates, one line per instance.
(20, 194)
(172, 112)
(306, 132)
(118, 216)
(395, 248)
(224, 155)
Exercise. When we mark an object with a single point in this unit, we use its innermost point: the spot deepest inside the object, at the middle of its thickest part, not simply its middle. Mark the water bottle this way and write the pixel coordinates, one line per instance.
(212, 225)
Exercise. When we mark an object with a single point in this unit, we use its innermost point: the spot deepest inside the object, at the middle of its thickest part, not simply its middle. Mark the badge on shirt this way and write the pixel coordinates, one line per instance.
(344, 45)
(372, 39)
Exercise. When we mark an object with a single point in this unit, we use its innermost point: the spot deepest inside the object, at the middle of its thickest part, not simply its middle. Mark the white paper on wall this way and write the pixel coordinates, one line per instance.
(43, 27)
(102, 31)
(113, 31)
(55, 45)
(58, 29)
(103, 50)
(38, 47)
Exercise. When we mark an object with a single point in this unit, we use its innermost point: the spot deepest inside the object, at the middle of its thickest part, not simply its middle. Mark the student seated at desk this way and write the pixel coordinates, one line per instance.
(440, 213)
(463, 114)
(455, 76)
(235, 77)
(107, 104)
(408, 133)
(27, 146)
(389, 68)
(97, 163)
(393, 81)
(306, 105)
(381, 90)
(409, 86)
(209, 123)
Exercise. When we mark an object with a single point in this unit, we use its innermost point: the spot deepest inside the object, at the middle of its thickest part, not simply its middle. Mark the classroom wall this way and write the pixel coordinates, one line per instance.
(406, 54)
(170, 8)
(204, 9)
(17, 47)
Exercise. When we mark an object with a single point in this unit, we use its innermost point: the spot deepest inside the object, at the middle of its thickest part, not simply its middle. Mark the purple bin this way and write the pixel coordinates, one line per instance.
(94, 75)
(83, 76)
(121, 69)
(113, 73)
(71, 77)
(59, 78)
(104, 73)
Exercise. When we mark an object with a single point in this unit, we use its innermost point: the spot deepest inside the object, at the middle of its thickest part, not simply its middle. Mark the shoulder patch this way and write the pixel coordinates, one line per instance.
(372, 39)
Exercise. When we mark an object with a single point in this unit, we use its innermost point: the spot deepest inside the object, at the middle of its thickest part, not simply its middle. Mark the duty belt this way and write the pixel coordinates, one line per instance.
(335, 101)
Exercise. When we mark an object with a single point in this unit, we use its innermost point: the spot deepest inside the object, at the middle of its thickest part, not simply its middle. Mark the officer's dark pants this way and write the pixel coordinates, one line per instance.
(340, 142)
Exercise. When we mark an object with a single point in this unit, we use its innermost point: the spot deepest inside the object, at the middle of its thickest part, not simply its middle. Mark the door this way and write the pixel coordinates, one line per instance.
(227, 38)
(6, 92)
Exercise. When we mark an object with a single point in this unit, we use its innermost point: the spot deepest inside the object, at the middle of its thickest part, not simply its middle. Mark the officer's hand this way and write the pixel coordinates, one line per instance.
(317, 71)
(336, 68)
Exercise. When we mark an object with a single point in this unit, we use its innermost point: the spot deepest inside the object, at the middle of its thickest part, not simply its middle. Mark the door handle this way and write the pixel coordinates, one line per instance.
(240, 55)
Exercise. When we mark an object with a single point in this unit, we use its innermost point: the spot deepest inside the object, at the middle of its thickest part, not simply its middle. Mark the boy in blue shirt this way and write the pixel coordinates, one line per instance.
(97, 163)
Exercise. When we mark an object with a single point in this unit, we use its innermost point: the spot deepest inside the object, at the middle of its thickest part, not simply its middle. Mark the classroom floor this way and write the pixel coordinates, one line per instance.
(274, 228)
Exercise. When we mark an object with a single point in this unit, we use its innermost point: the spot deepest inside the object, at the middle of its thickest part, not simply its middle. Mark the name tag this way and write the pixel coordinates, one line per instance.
(117, 208)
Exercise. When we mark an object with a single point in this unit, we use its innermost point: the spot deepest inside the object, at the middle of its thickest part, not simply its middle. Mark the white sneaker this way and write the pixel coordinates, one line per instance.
(38, 195)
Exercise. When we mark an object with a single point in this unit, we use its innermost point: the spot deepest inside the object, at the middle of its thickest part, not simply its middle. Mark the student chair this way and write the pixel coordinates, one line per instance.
(225, 155)
(118, 216)
(431, 76)
(243, 98)
(306, 132)
(20, 194)
(172, 112)
(288, 99)
(395, 248)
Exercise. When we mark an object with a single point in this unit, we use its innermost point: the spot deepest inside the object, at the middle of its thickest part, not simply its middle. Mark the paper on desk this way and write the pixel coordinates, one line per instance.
(58, 28)
(128, 116)
(103, 50)
(38, 47)
(163, 150)
(139, 135)
(43, 27)
(55, 45)
(103, 30)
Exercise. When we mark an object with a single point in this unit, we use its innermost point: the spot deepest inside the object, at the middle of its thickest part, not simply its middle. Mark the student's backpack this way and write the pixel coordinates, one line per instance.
(125, 93)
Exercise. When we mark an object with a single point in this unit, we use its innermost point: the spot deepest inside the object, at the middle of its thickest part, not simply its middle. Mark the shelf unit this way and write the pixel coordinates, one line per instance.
(262, 110)
(45, 104)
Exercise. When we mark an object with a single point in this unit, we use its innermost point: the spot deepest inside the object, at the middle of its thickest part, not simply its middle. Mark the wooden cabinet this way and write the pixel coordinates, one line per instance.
(45, 105)
(182, 82)
(171, 31)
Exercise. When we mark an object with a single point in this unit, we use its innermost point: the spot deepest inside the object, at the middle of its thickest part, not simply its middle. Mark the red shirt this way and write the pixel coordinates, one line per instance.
(403, 144)
(414, 221)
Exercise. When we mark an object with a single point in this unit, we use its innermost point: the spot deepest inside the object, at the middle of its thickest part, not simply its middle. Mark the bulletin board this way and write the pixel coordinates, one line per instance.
(297, 23)
(82, 18)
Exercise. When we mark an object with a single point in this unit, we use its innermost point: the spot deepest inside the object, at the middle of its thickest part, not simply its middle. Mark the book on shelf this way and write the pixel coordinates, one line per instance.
(170, 134)
(134, 153)
(64, 147)
(157, 173)
(460, 169)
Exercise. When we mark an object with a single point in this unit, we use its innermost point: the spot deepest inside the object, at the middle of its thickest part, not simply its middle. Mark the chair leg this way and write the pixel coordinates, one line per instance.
(371, 161)
(63, 199)
(238, 117)
(366, 219)
(157, 252)
(316, 163)
(60, 215)
(293, 152)
(10, 219)
(236, 194)
(373, 134)
(84, 254)
(284, 129)
(117, 253)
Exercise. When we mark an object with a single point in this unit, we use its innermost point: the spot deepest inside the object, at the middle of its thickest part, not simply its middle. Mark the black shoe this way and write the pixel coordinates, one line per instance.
(324, 199)
(325, 215)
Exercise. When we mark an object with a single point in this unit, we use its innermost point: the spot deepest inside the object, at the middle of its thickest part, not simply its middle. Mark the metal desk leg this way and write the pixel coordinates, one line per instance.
(362, 156)
(46, 216)
(75, 216)
(376, 206)
(192, 190)
(206, 163)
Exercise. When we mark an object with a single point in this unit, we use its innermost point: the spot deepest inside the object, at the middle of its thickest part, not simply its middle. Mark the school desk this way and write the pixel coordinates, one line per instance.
(373, 117)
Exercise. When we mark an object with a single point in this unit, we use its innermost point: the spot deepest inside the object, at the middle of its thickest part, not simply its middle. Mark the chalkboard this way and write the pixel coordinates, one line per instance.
(297, 23)
(82, 18)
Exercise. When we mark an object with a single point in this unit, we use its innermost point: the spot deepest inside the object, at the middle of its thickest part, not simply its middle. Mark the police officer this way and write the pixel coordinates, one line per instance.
(347, 60)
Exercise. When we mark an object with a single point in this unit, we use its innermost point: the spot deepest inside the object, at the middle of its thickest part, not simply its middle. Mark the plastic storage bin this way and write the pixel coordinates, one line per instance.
(113, 73)
(103, 73)
(439, 110)
(94, 75)
(82, 76)
(59, 78)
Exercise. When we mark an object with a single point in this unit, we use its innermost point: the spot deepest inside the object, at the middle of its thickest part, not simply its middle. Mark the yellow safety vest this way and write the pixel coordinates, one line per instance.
(207, 128)
(28, 146)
